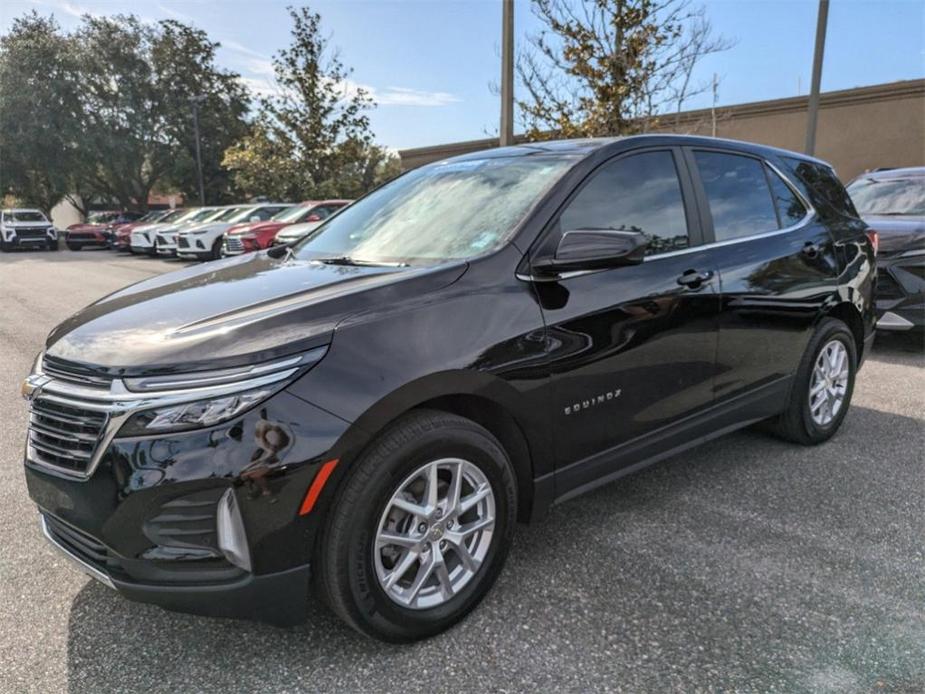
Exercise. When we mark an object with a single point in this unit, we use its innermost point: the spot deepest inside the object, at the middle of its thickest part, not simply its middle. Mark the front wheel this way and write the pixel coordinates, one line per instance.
(822, 387)
(71, 246)
(420, 529)
(52, 245)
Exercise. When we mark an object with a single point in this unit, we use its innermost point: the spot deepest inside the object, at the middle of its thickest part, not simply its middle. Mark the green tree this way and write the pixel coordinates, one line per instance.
(312, 139)
(39, 113)
(104, 113)
(137, 83)
(608, 67)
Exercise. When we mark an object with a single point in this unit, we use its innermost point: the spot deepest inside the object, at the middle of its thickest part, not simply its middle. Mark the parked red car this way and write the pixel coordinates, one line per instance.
(96, 230)
(122, 233)
(255, 236)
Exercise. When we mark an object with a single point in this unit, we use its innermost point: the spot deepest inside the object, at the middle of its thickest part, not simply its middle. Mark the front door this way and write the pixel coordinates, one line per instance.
(632, 348)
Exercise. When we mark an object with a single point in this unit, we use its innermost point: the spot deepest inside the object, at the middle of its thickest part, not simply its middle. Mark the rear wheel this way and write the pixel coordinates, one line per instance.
(420, 529)
(822, 387)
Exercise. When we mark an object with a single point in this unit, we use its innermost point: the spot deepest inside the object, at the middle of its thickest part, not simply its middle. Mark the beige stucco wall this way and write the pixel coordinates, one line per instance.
(859, 129)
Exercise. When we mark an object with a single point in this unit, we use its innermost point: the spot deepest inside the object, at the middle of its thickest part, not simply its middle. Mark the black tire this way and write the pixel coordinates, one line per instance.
(71, 246)
(52, 245)
(4, 246)
(345, 573)
(216, 252)
(796, 422)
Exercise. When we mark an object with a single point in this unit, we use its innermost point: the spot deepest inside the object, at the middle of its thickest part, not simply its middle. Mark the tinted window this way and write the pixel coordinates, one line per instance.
(738, 193)
(822, 186)
(789, 208)
(636, 193)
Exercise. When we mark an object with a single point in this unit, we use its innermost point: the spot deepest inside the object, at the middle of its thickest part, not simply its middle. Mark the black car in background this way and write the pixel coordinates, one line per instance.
(373, 408)
(892, 202)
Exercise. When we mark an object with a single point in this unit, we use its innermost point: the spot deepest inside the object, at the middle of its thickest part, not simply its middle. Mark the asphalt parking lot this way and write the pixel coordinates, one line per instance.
(747, 565)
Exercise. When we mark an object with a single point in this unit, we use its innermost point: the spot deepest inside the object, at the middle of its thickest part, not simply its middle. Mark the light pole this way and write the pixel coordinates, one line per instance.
(194, 102)
(813, 108)
(507, 73)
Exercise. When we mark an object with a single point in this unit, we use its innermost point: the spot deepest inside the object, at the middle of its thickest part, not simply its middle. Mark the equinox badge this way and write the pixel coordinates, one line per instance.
(596, 400)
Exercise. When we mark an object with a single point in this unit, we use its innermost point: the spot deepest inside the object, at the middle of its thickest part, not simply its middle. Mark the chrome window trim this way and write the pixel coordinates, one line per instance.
(807, 218)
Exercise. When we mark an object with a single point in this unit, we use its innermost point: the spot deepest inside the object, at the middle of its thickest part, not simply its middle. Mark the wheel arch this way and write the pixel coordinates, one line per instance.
(480, 397)
(849, 314)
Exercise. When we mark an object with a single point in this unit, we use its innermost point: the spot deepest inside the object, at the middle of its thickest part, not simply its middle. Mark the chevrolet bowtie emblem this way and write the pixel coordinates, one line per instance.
(32, 386)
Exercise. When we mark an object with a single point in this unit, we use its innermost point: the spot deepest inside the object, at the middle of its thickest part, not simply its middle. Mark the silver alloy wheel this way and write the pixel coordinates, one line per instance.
(434, 533)
(829, 383)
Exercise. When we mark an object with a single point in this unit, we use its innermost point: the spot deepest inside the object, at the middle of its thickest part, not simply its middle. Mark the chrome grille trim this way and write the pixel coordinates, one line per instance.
(72, 423)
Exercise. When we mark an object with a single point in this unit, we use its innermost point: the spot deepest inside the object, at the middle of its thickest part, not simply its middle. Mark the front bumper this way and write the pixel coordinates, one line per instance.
(279, 598)
(167, 244)
(146, 522)
(900, 292)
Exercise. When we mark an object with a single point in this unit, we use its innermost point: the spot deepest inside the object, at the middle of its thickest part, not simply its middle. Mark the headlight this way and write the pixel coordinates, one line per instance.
(178, 402)
(193, 415)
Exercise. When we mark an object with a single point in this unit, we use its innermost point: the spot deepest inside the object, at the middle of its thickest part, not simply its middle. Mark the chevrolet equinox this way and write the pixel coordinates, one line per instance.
(370, 410)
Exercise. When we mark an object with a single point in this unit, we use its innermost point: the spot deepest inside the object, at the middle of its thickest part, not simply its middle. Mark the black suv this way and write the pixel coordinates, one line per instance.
(371, 410)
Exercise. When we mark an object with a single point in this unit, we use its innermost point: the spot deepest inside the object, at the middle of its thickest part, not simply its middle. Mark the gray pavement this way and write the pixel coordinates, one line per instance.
(746, 565)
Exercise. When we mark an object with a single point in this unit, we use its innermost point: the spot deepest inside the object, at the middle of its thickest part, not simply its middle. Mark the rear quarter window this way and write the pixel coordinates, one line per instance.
(821, 186)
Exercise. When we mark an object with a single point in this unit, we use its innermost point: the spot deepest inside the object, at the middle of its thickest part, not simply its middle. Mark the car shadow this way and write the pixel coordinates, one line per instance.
(733, 559)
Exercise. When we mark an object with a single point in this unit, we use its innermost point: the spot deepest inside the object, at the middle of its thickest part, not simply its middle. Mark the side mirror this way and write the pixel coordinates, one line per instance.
(595, 249)
(313, 218)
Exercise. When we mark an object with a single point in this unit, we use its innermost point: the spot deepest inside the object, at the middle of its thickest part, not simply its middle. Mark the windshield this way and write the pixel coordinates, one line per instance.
(291, 214)
(243, 214)
(24, 216)
(101, 217)
(227, 215)
(889, 196)
(445, 211)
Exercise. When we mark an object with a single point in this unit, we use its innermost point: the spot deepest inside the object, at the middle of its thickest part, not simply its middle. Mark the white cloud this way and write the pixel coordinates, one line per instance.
(404, 96)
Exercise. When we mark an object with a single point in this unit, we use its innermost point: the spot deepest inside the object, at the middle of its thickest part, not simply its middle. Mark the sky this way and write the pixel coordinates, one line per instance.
(430, 63)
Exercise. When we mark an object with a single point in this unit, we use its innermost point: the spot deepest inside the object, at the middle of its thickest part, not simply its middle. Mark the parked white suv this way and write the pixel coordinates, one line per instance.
(165, 239)
(144, 238)
(204, 241)
(26, 228)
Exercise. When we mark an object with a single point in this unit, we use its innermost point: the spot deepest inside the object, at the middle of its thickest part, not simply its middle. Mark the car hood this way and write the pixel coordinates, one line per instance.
(207, 226)
(255, 227)
(28, 225)
(85, 227)
(232, 312)
(898, 234)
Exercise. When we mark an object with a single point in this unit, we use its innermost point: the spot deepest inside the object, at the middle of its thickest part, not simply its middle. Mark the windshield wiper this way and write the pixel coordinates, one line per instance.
(347, 260)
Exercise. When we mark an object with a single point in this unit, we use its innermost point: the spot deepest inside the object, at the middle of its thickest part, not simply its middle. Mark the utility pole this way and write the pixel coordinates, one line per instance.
(813, 109)
(195, 101)
(507, 73)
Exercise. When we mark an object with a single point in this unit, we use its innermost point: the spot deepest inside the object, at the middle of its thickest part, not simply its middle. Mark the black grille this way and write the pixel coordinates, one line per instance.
(78, 542)
(888, 288)
(64, 436)
(83, 546)
(30, 234)
(182, 242)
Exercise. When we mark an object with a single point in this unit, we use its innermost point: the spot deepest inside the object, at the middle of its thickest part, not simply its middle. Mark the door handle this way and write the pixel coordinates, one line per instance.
(810, 249)
(693, 279)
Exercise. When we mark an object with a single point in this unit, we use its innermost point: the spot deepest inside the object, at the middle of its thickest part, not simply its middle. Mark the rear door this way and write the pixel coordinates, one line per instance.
(632, 349)
(777, 268)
